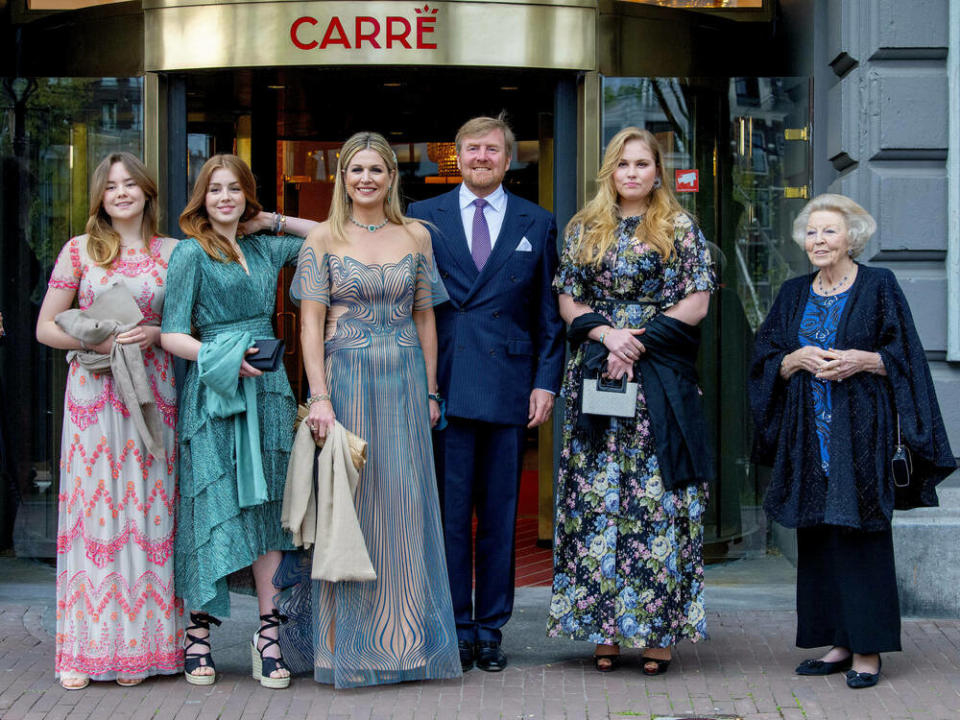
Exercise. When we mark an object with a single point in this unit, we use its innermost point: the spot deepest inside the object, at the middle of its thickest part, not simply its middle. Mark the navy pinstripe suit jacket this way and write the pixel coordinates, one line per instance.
(501, 334)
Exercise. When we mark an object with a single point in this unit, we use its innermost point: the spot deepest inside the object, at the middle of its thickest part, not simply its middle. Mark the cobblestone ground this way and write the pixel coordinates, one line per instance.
(744, 670)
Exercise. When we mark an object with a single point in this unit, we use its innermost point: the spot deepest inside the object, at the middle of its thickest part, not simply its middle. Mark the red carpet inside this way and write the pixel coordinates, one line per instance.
(534, 564)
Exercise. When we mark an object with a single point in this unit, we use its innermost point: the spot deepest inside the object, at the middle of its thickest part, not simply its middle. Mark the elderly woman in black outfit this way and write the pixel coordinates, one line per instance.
(838, 376)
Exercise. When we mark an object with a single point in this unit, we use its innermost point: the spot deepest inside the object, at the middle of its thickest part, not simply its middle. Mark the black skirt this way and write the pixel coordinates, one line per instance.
(847, 589)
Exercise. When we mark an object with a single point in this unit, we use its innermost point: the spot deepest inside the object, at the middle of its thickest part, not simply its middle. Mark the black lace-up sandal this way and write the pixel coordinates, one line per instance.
(263, 667)
(193, 660)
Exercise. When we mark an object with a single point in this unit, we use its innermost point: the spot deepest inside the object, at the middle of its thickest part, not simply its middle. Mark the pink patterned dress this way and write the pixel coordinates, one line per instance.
(116, 609)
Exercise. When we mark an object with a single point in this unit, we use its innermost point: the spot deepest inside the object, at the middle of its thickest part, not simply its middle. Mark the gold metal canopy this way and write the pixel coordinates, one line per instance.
(195, 34)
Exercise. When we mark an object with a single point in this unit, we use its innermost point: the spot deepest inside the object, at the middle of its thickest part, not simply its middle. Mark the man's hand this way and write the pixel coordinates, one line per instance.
(541, 405)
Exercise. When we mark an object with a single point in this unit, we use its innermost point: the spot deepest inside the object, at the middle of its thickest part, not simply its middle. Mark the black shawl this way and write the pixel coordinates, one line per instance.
(859, 492)
(669, 379)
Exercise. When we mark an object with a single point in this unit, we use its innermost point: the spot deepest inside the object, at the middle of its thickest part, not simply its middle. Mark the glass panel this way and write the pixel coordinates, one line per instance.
(426, 169)
(769, 135)
(53, 132)
(737, 158)
(704, 4)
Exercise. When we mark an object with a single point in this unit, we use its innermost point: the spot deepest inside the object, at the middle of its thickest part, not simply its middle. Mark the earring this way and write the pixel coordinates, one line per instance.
(657, 184)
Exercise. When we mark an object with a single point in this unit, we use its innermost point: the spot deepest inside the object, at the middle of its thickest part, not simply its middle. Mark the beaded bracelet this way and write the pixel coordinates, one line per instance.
(317, 398)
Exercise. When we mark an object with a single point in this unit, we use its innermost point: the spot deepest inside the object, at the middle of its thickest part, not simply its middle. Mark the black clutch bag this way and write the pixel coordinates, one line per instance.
(901, 464)
(268, 355)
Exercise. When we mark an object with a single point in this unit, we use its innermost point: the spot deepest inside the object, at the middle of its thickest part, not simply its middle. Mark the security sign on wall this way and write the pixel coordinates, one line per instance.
(687, 180)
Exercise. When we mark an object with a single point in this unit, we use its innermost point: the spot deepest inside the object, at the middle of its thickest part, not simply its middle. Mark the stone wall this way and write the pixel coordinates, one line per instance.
(882, 106)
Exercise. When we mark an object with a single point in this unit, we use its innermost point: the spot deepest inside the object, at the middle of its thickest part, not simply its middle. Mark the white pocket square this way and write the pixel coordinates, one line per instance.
(524, 246)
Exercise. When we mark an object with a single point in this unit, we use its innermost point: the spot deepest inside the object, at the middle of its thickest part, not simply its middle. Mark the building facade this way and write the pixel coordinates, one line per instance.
(760, 104)
(886, 78)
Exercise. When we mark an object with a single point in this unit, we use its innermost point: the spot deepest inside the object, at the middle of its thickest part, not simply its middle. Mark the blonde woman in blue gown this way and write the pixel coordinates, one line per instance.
(367, 286)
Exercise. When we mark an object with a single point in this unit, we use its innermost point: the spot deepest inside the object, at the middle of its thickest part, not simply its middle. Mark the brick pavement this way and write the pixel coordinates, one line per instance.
(744, 670)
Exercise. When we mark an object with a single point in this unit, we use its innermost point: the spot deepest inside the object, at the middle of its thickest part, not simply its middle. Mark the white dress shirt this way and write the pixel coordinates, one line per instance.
(494, 212)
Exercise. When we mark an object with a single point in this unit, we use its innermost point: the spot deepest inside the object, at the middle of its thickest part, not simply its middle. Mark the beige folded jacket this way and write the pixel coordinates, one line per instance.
(115, 311)
(319, 511)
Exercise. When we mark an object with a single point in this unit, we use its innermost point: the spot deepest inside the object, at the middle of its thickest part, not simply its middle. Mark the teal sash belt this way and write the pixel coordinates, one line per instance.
(219, 368)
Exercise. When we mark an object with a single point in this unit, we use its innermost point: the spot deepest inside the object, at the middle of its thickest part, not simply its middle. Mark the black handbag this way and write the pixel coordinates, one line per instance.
(268, 356)
(901, 464)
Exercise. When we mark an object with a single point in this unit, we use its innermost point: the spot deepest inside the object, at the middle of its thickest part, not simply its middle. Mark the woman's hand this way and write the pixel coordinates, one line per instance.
(143, 335)
(841, 364)
(809, 358)
(434, 413)
(321, 418)
(106, 347)
(617, 368)
(623, 344)
(248, 370)
(261, 221)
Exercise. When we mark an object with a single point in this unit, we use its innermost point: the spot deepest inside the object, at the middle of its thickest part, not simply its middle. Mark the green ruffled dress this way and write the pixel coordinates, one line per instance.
(215, 536)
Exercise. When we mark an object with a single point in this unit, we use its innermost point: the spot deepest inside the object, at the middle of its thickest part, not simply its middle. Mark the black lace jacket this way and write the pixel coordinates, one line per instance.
(859, 491)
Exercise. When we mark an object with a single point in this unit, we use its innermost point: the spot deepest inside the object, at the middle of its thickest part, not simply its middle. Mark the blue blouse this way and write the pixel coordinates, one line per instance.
(821, 318)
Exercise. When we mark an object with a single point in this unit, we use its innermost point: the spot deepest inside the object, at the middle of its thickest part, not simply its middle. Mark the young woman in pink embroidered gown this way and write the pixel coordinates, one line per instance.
(117, 616)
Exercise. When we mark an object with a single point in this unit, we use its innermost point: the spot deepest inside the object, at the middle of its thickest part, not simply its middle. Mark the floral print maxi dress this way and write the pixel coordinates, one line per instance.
(116, 610)
(628, 565)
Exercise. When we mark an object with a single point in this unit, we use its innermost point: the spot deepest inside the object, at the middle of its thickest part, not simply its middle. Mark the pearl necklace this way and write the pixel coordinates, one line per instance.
(368, 228)
(833, 289)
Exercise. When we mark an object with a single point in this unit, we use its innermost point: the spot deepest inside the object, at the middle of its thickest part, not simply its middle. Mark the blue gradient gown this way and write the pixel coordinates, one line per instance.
(400, 626)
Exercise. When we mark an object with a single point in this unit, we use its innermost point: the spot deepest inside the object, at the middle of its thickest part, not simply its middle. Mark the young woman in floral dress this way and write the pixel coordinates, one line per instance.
(117, 617)
(628, 565)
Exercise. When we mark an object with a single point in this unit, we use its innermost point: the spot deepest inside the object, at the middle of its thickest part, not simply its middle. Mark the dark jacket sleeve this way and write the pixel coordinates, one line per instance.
(549, 367)
(766, 388)
(914, 398)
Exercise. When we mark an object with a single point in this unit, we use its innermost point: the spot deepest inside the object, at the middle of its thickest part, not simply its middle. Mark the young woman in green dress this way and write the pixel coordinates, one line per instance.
(233, 448)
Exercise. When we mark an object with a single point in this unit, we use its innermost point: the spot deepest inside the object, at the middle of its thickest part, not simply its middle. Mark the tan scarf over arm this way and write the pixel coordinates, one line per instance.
(320, 511)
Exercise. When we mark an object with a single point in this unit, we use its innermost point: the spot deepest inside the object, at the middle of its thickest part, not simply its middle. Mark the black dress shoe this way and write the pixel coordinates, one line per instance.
(822, 667)
(490, 657)
(467, 654)
(857, 681)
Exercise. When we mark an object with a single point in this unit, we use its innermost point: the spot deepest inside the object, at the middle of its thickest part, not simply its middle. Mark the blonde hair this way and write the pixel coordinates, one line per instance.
(103, 242)
(340, 205)
(194, 220)
(860, 224)
(480, 126)
(598, 219)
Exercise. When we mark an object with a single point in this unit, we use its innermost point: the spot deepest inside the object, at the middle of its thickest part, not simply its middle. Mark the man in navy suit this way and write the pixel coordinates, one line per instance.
(499, 367)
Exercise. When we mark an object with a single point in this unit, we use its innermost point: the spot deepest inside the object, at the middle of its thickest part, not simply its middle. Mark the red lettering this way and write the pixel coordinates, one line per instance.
(423, 29)
(329, 39)
(370, 37)
(400, 37)
(367, 30)
(296, 27)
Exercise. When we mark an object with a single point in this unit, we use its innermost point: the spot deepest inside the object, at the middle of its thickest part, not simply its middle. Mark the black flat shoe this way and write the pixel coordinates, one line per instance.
(859, 680)
(611, 663)
(662, 666)
(467, 654)
(490, 657)
(822, 667)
